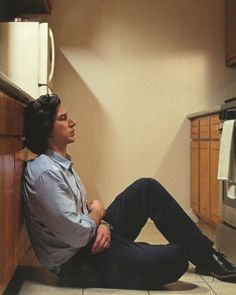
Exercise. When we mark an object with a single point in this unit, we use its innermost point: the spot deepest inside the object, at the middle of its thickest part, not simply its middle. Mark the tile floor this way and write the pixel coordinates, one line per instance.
(40, 282)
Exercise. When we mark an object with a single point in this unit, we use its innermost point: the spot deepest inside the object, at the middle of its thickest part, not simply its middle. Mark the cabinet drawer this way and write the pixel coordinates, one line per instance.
(194, 129)
(214, 125)
(204, 128)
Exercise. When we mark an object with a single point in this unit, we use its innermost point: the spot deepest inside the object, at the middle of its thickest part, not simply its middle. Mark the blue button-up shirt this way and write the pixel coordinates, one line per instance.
(55, 209)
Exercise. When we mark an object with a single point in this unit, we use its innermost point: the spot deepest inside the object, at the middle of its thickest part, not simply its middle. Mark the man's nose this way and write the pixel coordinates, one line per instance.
(72, 122)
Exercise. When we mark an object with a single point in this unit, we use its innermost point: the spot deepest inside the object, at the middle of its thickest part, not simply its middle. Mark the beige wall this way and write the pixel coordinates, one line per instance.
(130, 71)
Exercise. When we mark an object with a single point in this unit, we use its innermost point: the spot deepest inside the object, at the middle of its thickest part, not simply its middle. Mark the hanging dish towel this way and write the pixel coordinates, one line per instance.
(227, 165)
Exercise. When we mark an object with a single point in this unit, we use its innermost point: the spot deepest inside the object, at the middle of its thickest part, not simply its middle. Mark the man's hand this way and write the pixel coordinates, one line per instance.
(96, 211)
(103, 239)
(96, 205)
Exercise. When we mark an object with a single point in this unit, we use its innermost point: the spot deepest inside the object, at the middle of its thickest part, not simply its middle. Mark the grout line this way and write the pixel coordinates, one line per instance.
(209, 285)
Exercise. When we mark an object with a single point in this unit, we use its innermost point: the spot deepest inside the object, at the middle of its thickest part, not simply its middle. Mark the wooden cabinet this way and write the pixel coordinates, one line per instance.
(35, 6)
(8, 261)
(11, 168)
(204, 190)
(16, 8)
(230, 32)
(204, 154)
(194, 172)
(214, 183)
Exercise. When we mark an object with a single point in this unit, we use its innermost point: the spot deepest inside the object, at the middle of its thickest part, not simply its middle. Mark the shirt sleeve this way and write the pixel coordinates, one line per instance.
(55, 205)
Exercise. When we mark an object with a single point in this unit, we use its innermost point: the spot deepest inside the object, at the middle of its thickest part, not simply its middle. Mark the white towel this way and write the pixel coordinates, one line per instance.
(227, 165)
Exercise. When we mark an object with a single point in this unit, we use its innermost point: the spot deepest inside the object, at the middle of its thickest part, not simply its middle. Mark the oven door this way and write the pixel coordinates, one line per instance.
(229, 205)
(226, 230)
(228, 209)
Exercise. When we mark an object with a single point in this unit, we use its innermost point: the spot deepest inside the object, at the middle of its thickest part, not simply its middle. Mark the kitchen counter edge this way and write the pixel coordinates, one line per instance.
(13, 90)
(210, 111)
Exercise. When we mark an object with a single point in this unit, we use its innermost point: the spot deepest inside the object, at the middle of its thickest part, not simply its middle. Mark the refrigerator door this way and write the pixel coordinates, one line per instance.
(19, 54)
(27, 55)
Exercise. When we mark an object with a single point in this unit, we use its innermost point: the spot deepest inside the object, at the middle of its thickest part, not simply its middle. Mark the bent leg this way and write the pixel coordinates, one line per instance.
(146, 198)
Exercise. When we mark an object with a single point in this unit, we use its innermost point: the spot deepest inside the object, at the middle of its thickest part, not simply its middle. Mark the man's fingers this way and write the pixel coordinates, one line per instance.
(107, 244)
(97, 243)
(101, 242)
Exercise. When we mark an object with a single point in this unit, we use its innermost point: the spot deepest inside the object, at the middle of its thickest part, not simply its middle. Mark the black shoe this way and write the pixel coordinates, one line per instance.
(218, 267)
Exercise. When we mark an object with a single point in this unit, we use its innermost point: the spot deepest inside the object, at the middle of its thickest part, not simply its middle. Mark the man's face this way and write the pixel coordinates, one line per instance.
(63, 129)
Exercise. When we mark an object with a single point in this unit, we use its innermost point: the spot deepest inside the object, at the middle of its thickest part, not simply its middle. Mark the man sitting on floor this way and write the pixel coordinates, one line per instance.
(88, 246)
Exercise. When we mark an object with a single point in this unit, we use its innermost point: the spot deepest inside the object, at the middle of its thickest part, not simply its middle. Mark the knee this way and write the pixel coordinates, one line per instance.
(170, 265)
(147, 181)
(151, 187)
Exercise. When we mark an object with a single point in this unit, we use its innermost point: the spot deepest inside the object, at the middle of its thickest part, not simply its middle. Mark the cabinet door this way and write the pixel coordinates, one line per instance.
(205, 179)
(214, 183)
(204, 128)
(214, 127)
(7, 223)
(194, 170)
(194, 129)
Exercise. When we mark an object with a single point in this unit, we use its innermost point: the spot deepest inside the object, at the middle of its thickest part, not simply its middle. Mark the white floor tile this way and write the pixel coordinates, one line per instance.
(151, 235)
(184, 288)
(208, 279)
(222, 288)
(32, 288)
(189, 283)
(113, 292)
(191, 277)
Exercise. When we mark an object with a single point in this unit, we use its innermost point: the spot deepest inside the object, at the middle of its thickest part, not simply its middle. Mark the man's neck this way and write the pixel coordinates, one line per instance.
(59, 150)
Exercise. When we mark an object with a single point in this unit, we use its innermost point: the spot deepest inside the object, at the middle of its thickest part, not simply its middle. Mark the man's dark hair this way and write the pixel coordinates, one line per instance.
(39, 121)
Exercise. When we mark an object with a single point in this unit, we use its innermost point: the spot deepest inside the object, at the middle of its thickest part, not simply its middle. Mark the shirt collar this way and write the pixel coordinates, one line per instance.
(65, 162)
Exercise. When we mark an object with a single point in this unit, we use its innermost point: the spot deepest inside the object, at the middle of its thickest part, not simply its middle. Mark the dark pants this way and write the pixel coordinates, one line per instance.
(132, 265)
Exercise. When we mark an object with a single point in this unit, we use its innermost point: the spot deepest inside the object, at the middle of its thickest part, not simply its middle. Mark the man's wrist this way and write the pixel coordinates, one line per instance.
(107, 224)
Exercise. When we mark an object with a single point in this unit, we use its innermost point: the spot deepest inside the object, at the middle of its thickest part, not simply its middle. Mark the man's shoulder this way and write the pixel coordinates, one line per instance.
(35, 168)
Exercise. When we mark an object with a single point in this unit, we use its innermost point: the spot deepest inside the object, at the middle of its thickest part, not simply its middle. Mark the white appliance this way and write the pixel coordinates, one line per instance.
(27, 55)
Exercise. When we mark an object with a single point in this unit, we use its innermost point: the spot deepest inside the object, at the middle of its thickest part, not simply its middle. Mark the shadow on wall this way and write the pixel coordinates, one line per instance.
(79, 24)
(168, 52)
(169, 29)
(92, 123)
(178, 150)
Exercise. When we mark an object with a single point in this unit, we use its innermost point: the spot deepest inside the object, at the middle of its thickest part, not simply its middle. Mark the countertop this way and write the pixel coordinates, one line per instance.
(210, 111)
(13, 90)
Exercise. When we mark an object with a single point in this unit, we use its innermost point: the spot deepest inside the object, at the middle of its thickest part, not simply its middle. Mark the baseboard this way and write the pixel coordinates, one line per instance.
(192, 215)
